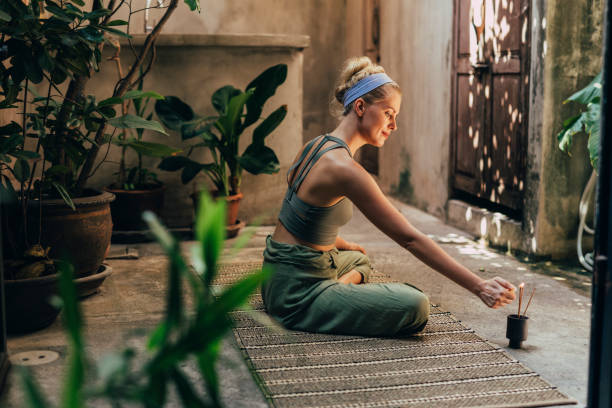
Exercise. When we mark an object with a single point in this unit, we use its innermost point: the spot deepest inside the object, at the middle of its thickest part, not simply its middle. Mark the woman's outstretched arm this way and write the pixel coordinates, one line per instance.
(363, 191)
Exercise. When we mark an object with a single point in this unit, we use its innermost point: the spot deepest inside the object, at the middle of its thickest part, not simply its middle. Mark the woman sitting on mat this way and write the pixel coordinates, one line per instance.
(319, 282)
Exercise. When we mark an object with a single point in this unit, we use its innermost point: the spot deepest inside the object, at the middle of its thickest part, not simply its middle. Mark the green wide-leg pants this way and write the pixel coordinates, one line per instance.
(303, 293)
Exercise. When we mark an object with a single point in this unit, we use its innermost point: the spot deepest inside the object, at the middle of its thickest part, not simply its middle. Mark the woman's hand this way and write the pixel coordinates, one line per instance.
(496, 292)
(351, 246)
(343, 245)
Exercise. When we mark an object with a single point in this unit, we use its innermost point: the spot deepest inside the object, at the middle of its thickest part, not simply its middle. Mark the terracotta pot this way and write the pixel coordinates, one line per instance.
(232, 224)
(232, 201)
(232, 230)
(82, 236)
(27, 300)
(129, 205)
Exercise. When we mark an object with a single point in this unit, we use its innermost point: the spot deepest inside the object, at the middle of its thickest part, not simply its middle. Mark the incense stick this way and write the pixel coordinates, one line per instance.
(521, 287)
(528, 303)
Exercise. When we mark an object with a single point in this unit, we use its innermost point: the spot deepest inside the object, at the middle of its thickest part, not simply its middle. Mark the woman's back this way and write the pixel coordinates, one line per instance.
(313, 208)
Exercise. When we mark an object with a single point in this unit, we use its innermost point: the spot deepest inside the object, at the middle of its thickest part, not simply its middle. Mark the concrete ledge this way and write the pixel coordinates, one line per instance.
(498, 229)
(226, 40)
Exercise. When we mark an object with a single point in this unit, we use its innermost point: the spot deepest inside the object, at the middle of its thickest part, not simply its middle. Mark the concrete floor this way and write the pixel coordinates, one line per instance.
(131, 301)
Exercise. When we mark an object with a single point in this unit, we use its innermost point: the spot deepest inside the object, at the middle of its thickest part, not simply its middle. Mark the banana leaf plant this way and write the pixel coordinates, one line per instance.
(587, 120)
(220, 134)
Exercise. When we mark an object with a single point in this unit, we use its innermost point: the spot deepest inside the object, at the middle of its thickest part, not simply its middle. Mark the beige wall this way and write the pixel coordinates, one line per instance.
(416, 42)
(322, 20)
(571, 58)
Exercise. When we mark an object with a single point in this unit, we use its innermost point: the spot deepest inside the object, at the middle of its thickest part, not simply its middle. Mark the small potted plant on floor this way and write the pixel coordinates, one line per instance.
(220, 135)
(48, 53)
(137, 188)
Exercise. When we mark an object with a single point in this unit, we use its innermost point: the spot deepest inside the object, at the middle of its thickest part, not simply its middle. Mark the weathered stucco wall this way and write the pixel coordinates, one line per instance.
(323, 20)
(571, 57)
(416, 42)
(192, 68)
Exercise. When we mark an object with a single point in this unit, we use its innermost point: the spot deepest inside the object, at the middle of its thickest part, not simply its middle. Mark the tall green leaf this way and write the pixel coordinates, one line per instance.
(138, 94)
(185, 390)
(130, 121)
(571, 126)
(209, 232)
(191, 170)
(588, 94)
(221, 97)
(593, 128)
(231, 118)
(237, 294)
(206, 362)
(593, 145)
(33, 393)
(174, 308)
(265, 86)
(269, 124)
(72, 396)
(258, 159)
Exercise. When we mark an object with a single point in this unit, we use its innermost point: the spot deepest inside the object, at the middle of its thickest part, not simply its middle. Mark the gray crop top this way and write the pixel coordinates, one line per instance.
(316, 225)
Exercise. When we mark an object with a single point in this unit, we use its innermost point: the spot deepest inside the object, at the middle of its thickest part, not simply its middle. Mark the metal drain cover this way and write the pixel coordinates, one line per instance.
(34, 357)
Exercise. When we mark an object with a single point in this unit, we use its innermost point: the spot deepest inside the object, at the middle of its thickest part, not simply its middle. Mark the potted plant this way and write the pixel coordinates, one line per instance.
(137, 188)
(220, 135)
(589, 122)
(48, 153)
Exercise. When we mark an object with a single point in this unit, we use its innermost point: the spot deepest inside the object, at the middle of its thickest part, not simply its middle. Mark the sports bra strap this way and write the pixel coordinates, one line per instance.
(302, 156)
(341, 142)
(316, 154)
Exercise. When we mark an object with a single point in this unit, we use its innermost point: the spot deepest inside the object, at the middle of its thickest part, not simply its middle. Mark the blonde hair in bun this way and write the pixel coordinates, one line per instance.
(354, 70)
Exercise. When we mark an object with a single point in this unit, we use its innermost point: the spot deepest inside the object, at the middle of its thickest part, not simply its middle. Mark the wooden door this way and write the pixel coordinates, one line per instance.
(490, 101)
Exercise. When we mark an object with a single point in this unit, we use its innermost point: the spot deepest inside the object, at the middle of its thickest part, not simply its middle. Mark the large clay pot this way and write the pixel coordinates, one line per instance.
(129, 205)
(27, 300)
(81, 236)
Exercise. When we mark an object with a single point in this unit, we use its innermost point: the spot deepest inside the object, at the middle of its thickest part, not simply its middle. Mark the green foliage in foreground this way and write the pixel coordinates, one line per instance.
(588, 120)
(125, 377)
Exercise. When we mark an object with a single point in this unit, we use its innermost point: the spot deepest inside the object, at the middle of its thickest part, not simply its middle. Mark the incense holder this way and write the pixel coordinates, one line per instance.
(516, 330)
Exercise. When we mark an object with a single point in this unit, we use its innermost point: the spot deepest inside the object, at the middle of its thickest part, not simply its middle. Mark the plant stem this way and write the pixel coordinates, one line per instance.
(122, 86)
(44, 126)
(24, 202)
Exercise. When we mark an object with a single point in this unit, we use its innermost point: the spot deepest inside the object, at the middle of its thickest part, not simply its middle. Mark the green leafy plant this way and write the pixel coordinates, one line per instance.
(55, 48)
(139, 177)
(587, 120)
(126, 377)
(220, 134)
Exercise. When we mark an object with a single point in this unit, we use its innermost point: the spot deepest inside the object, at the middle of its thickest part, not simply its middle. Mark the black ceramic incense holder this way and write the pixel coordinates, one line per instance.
(516, 330)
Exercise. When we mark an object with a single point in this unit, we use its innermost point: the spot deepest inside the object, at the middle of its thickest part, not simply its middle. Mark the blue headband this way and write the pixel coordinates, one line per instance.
(364, 86)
